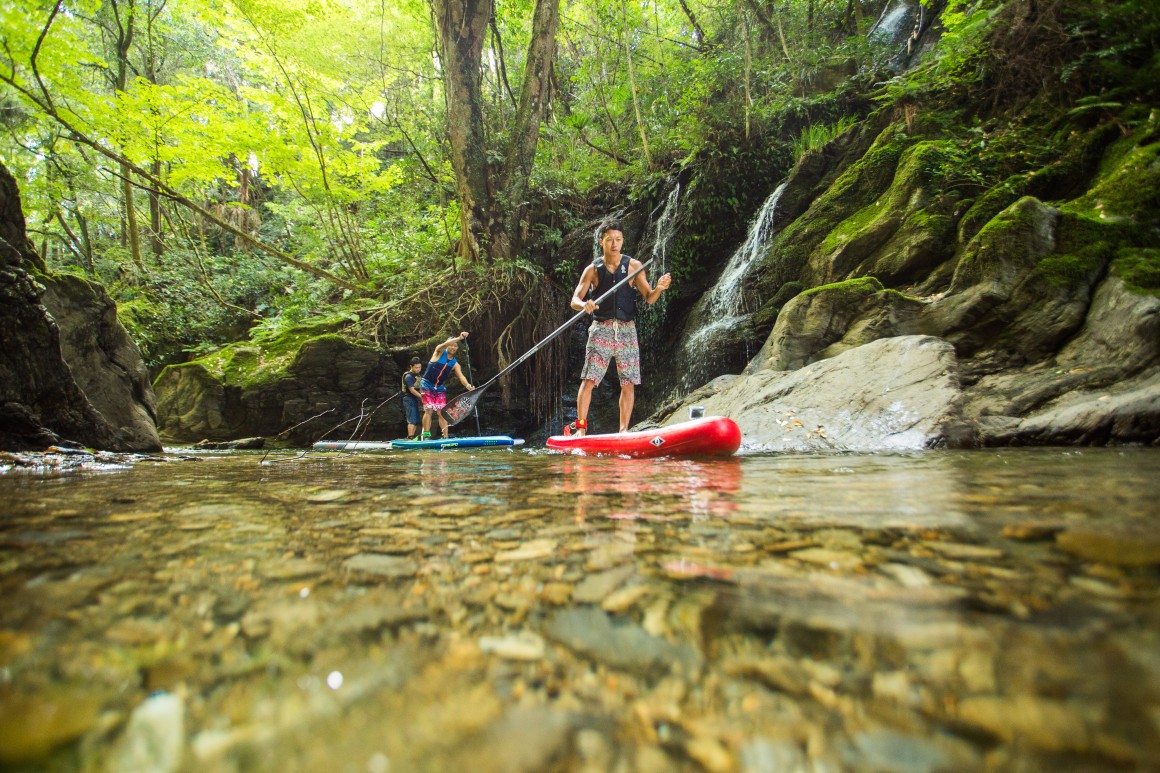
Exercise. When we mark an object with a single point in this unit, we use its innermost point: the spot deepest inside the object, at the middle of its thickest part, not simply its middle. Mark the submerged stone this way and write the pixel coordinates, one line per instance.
(1124, 545)
(619, 643)
(391, 567)
(154, 739)
(33, 725)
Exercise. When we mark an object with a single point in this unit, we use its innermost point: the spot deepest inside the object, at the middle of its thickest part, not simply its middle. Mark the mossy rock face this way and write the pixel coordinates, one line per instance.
(828, 320)
(856, 188)
(1140, 269)
(855, 185)
(250, 390)
(1070, 175)
(1128, 188)
(1010, 244)
(1023, 286)
(818, 168)
(898, 237)
(991, 204)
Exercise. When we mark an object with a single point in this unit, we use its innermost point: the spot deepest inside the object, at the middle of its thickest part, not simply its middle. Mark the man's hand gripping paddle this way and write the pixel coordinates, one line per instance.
(458, 408)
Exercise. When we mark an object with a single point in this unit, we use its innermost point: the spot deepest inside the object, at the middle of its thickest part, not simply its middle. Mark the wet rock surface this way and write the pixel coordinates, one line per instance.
(896, 394)
(504, 611)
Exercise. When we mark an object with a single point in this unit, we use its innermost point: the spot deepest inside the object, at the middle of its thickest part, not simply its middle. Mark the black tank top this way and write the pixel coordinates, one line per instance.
(622, 305)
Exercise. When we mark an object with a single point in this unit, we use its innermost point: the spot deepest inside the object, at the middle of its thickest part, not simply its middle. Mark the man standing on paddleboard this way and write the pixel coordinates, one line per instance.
(442, 364)
(613, 334)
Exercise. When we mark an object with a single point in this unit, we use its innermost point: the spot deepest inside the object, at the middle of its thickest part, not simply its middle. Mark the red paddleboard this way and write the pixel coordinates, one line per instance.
(710, 436)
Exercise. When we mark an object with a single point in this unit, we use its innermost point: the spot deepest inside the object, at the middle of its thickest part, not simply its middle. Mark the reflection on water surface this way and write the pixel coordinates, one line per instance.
(515, 610)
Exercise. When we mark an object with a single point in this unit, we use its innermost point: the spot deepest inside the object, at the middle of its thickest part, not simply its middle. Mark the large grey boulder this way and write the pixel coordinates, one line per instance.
(892, 394)
(42, 401)
(104, 360)
(1102, 387)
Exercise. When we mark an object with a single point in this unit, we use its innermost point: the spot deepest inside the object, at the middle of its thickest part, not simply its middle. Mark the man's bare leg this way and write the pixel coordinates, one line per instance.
(627, 397)
(443, 424)
(583, 400)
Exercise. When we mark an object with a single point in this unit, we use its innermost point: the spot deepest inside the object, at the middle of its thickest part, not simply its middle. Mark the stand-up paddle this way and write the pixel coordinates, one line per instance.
(458, 408)
(467, 362)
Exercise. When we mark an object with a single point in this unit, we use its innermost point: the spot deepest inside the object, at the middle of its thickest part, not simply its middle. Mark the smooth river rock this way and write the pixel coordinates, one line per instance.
(893, 394)
(619, 643)
(1121, 545)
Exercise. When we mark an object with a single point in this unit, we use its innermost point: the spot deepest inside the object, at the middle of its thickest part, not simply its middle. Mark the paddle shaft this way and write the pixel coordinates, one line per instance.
(556, 333)
(473, 395)
(467, 361)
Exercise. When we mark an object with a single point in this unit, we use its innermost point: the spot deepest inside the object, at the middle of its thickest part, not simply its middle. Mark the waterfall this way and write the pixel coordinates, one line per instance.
(665, 226)
(894, 21)
(724, 300)
(720, 311)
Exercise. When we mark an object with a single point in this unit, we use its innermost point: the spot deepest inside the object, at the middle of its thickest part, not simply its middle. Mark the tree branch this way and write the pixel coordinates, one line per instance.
(698, 33)
(36, 53)
(502, 64)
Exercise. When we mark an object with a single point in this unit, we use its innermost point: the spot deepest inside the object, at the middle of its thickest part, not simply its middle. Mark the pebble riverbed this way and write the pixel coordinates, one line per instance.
(525, 611)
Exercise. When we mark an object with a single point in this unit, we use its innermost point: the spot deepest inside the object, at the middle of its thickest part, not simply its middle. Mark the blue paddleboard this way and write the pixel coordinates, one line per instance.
(490, 441)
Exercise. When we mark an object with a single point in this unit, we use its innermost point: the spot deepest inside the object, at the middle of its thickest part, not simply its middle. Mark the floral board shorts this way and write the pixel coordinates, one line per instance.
(607, 339)
(434, 398)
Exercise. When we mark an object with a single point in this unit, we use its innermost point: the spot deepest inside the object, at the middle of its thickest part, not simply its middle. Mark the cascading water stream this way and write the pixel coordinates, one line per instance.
(665, 228)
(895, 20)
(722, 309)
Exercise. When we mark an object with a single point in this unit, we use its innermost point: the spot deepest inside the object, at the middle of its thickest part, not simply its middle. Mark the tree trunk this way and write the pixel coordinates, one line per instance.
(491, 200)
(462, 32)
(132, 232)
(131, 235)
(155, 237)
(525, 133)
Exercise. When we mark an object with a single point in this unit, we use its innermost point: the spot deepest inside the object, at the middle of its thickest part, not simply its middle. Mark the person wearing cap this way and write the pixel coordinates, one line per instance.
(412, 396)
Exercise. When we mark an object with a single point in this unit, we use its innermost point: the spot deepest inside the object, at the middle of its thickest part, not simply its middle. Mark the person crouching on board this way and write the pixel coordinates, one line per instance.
(442, 365)
(613, 334)
(412, 397)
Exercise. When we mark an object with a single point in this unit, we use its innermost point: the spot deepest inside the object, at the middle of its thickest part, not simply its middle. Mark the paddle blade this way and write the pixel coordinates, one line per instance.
(460, 407)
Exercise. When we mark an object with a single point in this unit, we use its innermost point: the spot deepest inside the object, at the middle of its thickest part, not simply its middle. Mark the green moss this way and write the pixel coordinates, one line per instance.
(1128, 187)
(914, 168)
(863, 285)
(1074, 268)
(872, 173)
(249, 364)
(853, 225)
(764, 318)
(1140, 269)
(1084, 247)
(861, 184)
(990, 204)
(1016, 219)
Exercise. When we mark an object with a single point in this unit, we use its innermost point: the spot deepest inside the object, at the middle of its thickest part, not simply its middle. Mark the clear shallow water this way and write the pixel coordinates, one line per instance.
(515, 610)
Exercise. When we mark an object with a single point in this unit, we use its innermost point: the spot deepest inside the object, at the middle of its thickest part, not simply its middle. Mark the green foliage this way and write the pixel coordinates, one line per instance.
(816, 135)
